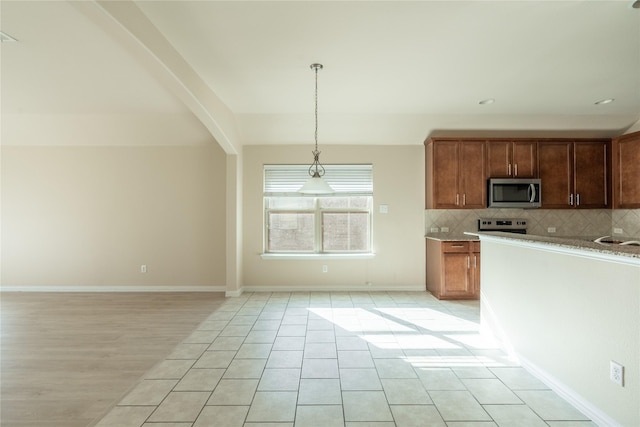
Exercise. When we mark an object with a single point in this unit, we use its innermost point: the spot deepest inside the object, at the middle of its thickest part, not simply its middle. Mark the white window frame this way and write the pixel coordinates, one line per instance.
(347, 180)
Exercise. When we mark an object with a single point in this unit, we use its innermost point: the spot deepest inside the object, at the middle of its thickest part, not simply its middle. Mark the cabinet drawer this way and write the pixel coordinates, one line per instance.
(455, 246)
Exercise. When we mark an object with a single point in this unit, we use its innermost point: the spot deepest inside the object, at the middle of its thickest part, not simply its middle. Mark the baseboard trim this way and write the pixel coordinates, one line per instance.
(568, 394)
(333, 288)
(233, 294)
(112, 288)
(491, 325)
(222, 288)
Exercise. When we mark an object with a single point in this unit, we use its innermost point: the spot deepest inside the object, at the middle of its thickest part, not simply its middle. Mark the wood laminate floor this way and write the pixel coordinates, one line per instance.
(67, 357)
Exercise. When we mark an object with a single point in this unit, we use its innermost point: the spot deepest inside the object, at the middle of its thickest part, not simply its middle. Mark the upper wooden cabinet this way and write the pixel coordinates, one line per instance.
(554, 167)
(574, 174)
(626, 171)
(592, 171)
(455, 174)
(512, 159)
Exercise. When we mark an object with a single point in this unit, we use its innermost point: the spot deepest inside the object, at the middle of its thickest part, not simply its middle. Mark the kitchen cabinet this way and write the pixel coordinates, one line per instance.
(626, 171)
(574, 174)
(453, 269)
(512, 159)
(455, 177)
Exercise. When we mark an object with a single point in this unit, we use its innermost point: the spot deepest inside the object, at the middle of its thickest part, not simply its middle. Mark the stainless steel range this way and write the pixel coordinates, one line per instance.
(508, 225)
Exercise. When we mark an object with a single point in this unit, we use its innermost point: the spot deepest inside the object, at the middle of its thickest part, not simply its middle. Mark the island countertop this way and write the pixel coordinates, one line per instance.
(575, 243)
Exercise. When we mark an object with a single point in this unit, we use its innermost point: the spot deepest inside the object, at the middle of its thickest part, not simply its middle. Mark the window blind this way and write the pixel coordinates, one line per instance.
(282, 180)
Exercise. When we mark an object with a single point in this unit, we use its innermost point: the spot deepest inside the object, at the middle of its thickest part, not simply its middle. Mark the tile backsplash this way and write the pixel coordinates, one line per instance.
(567, 222)
(628, 220)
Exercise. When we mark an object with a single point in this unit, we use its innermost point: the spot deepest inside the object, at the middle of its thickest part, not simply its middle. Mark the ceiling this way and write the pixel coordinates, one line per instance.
(394, 72)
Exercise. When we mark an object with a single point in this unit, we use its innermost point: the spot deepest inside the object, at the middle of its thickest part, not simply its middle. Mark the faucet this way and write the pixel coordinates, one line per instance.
(628, 242)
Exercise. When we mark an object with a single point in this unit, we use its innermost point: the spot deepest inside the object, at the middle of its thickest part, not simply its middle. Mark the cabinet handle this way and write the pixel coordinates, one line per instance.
(457, 199)
(464, 199)
(515, 169)
(468, 262)
(578, 199)
(475, 261)
(457, 246)
(571, 199)
(509, 169)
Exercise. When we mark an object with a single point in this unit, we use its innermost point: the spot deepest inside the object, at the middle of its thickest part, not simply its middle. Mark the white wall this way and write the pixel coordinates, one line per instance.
(568, 316)
(398, 174)
(83, 217)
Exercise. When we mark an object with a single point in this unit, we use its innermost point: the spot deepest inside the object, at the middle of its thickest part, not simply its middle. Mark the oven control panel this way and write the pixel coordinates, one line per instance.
(502, 224)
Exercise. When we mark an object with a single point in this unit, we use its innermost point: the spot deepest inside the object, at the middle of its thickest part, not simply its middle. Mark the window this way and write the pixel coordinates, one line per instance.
(338, 223)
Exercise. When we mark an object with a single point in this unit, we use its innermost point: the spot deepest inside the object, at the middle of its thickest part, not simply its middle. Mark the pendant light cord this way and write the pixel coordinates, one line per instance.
(316, 110)
(319, 169)
(315, 184)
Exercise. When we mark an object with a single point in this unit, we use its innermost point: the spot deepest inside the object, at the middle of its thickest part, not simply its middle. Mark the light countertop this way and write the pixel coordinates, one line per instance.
(451, 237)
(568, 242)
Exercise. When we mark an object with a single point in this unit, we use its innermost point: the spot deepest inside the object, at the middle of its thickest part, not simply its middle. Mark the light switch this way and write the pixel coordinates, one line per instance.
(384, 209)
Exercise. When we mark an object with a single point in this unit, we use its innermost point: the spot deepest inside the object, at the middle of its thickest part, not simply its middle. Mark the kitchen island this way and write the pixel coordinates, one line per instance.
(566, 308)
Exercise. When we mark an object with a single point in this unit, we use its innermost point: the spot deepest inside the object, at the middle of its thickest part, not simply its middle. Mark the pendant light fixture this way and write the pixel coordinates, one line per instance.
(315, 184)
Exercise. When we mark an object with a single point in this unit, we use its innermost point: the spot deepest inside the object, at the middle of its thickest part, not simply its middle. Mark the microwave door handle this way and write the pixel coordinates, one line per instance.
(532, 191)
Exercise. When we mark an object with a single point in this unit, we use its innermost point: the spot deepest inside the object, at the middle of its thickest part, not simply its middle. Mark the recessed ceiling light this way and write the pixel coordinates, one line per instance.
(488, 100)
(605, 101)
(4, 37)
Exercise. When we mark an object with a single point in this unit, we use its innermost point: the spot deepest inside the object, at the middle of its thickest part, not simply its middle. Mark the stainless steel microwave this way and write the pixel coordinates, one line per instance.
(514, 193)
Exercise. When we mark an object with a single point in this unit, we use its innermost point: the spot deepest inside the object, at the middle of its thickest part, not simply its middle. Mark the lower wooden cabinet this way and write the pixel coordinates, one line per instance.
(453, 269)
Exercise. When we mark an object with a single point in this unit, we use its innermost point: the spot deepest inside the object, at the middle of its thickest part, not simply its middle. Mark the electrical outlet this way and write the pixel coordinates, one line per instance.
(143, 268)
(434, 229)
(551, 230)
(325, 268)
(617, 231)
(384, 209)
(616, 373)
(444, 229)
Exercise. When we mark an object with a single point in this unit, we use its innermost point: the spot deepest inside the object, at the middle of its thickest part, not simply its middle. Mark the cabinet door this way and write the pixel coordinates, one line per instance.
(590, 174)
(445, 174)
(555, 162)
(456, 278)
(473, 188)
(498, 159)
(627, 172)
(512, 159)
(524, 159)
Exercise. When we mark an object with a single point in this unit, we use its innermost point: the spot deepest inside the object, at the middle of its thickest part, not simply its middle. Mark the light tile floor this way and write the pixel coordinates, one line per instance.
(340, 359)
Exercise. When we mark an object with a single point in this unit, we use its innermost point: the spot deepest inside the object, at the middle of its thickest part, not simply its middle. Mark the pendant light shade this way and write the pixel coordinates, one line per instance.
(315, 184)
